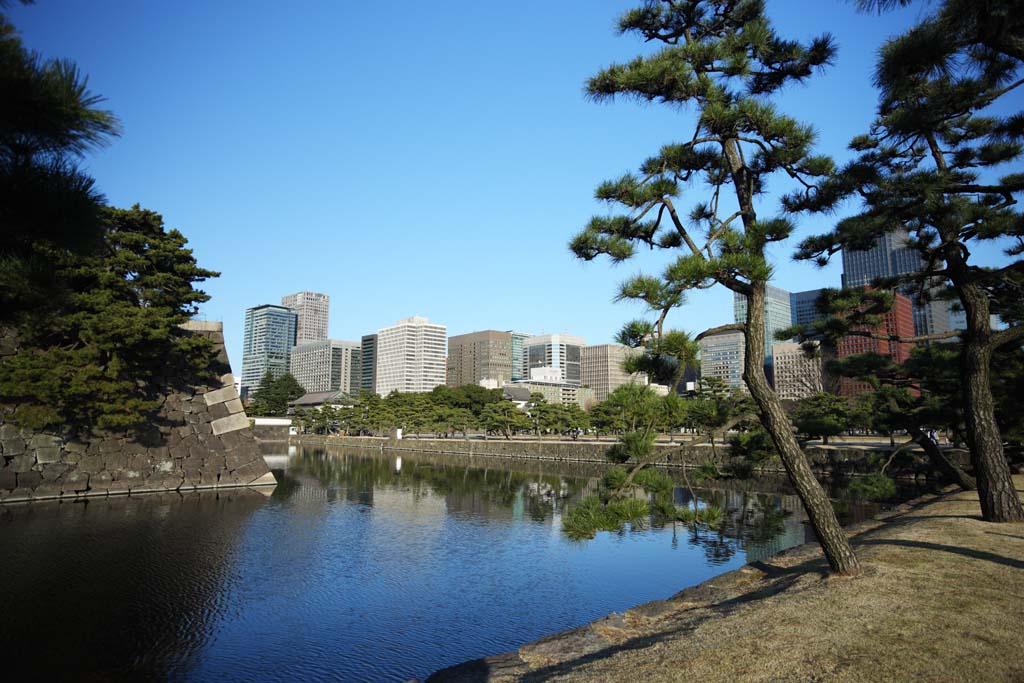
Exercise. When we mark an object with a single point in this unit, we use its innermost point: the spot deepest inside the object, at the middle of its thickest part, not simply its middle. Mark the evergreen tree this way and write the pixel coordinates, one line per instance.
(723, 59)
(273, 394)
(48, 120)
(93, 357)
(822, 415)
(929, 165)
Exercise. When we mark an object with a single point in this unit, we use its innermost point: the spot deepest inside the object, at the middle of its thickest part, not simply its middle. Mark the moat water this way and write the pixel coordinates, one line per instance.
(358, 567)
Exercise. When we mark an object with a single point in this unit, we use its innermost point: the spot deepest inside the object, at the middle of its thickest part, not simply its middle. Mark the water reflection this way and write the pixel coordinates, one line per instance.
(359, 567)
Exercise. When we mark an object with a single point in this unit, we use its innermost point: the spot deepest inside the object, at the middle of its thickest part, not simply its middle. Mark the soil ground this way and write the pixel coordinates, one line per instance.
(941, 598)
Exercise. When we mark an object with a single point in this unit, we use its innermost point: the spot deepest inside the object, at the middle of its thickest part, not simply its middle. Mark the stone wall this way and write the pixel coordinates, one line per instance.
(201, 439)
(828, 460)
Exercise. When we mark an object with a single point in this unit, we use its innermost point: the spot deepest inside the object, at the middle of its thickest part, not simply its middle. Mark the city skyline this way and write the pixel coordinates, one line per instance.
(229, 168)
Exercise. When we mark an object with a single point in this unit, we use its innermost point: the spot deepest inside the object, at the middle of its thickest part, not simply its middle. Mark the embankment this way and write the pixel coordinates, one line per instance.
(826, 460)
(939, 600)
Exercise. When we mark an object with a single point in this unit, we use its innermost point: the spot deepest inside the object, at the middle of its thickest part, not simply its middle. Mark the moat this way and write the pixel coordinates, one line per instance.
(358, 567)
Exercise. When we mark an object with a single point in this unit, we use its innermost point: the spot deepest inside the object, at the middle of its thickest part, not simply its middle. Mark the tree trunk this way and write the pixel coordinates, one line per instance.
(831, 536)
(939, 461)
(999, 499)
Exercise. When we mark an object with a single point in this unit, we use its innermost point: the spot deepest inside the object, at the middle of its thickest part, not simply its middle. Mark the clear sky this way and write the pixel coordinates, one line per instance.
(408, 157)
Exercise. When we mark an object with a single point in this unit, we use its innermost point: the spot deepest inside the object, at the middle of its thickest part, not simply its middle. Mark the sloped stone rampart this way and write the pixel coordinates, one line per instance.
(201, 439)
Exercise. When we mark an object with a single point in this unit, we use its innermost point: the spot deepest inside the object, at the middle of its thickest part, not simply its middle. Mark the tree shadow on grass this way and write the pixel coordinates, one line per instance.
(956, 550)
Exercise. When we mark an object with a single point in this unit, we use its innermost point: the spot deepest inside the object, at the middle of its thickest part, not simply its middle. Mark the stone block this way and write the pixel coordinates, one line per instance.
(91, 464)
(216, 463)
(29, 480)
(227, 380)
(159, 453)
(111, 445)
(22, 463)
(12, 445)
(220, 395)
(47, 454)
(235, 406)
(8, 479)
(120, 485)
(44, 441)
(179, 451)
(208, 478)
(204, 429)
(100, 481)
(75, 447)
(214, 444)
(48, 489)
(184, 432)
(75, 481)
(52, 471)
(114, 461)
(231, 423)
(219, 410)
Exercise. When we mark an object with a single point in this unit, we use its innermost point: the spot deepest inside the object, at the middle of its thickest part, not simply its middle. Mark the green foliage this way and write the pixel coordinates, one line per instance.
(653, 480)
(590, 515)
(50, 207)
(632, 446)
(504, 418)
(874, 486)
(273, 394)
(94, 357)
(822, 415)
(755, 447)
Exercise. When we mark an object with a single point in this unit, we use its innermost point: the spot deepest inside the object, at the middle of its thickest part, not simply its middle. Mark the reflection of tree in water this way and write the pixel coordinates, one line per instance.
(488, 490)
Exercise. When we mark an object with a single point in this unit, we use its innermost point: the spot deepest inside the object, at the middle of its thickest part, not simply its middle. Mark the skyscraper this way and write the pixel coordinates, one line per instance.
(722, 355)
(368, 367)
(777, 315)
(327, 365)
(797, 375)
(602, 369)
(558, 351)
(478, 356)
(411, 356)
(267, 343)
(520, 367)
(803, 307)
(899, 322)
(313, 311)
(888, 257)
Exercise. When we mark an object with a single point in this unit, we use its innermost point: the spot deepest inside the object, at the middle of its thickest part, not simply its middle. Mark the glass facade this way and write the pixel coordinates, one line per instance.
(266, 345)
(777, 315)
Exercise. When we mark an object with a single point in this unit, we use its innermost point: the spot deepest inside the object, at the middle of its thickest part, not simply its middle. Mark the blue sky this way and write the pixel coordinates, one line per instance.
(405, 157)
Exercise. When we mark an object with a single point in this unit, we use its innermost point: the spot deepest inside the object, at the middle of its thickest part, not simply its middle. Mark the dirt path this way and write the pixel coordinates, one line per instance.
(941, 599)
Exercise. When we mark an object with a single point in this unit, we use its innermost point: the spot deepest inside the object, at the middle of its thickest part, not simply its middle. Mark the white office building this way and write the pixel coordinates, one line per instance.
(559, 351)
(313, 311)
(722, 355)
(328, 365)
(411, 356)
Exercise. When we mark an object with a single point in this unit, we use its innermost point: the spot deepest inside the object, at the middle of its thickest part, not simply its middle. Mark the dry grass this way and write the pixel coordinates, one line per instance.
(941, 599)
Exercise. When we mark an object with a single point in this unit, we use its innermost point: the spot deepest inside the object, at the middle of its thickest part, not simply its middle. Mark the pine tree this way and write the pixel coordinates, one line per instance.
(722, 58)
(48, 120)
(928, 166)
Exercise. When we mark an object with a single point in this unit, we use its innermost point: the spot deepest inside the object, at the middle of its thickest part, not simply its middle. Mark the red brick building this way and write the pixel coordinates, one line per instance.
(898, 321)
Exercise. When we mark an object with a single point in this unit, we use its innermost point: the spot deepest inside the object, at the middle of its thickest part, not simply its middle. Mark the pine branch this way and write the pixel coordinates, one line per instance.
(732, 327)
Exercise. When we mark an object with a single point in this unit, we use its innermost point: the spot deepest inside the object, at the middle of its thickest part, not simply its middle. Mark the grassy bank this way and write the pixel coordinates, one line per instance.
(941, 599)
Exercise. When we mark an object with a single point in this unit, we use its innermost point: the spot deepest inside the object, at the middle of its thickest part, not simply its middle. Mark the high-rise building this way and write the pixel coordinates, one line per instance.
(722, 355)
(777, 315)
(327, 365)
(602, 369)
(368, 367)
(411, 356)
(313, 311)
(558, 351)
(888, 257)
(797, 375)
(803, 307)
(480, 356)
(899, 322)
(267, 343)
(520, 365)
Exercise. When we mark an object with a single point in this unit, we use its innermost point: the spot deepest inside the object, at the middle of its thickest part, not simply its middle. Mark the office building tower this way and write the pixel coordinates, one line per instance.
(722, 356)
(368, 367)
(899, 321)
(411, 356)
(313, 311)
(266, 345)
(480, 356)
(777, 315)
(327, 365)
(558, 351)
(888, 257)
(602, 369)
(797, 375)
(520, 365)
(804, 309)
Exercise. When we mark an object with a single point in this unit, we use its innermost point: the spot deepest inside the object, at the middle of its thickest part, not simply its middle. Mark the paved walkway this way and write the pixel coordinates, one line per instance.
(941, 599)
